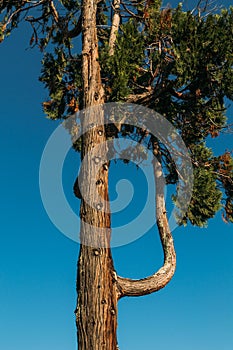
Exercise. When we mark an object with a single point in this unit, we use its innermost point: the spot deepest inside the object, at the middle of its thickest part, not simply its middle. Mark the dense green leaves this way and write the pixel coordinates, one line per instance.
(119, 71)
(206, 197)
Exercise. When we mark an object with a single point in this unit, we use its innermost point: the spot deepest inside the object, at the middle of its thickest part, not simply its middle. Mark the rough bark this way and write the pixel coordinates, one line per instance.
(96, 312)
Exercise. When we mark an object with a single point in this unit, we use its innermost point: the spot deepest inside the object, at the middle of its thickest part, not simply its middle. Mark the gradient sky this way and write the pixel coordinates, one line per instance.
(38, 263)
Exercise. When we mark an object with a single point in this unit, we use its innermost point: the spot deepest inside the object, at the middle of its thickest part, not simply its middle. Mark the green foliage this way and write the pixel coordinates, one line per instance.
(71, 5)
(120, 69)
(177, 63)
(223, 166)
(206, 197)
(62, 78)
(51, 27)
(204, 52)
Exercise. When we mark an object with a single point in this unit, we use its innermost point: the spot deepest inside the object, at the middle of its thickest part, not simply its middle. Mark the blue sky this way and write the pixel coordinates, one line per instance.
(38, 263)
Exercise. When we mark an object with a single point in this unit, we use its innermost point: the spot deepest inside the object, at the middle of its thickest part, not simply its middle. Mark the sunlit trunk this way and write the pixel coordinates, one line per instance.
(97, 293)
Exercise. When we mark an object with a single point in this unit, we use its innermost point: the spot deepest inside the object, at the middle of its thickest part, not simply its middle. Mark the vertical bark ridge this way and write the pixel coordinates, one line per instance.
(96, 313)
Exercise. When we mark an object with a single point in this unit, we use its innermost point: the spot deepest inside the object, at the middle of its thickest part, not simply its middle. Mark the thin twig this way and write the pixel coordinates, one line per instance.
(22, 10)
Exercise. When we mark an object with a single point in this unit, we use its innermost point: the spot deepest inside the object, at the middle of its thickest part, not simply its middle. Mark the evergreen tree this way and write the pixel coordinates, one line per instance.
(176, 62)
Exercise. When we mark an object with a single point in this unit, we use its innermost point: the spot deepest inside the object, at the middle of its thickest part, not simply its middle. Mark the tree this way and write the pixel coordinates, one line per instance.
(176, 63)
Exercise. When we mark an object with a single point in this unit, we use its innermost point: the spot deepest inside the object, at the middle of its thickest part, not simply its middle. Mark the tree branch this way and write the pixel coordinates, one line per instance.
(54, 11)
(73, 33)
(132, 14)
(22, 9)
(160, 279)
(115, 26)
(140, 98)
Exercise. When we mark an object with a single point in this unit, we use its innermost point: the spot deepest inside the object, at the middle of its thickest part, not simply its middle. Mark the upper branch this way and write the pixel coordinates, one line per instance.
(115, 25)
(54, 11)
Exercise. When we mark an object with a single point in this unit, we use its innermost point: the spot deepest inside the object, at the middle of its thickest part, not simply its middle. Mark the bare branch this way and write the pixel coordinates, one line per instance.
(205, 8)
(22, 9)
(115, 26)
(132, 14)
(54, 11)
(228, 129)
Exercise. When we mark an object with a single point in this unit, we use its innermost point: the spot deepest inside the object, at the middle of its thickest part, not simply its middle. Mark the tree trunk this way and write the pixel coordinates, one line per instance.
(96, 313)
(98, 286)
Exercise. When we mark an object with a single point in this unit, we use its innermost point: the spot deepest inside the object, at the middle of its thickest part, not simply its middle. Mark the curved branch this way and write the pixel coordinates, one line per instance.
(73, 33)
(22, 9)
(132, 14)
(160, 279)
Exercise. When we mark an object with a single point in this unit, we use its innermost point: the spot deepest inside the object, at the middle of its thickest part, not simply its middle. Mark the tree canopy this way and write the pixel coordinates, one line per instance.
(176, 62)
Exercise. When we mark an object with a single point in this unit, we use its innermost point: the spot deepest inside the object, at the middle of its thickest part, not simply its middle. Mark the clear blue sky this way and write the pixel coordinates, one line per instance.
(38, 263)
